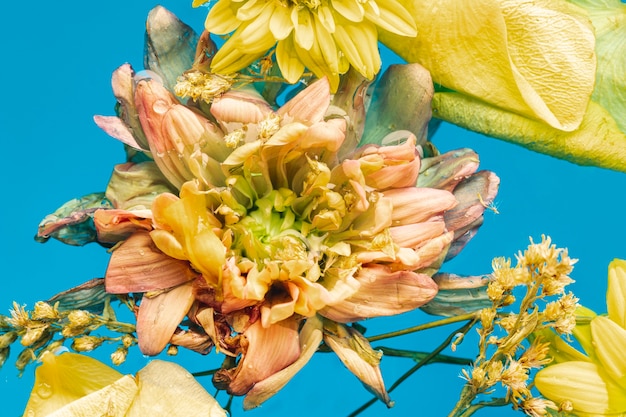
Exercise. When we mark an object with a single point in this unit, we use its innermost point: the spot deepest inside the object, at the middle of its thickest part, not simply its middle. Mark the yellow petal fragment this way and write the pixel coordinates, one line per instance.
(359, 43)
(534, 58)
(578, 382)
(597, 142)
(303, 27)
(609, 340)
(114, 400)
(64, 378)
(167, 389)
(616, 292)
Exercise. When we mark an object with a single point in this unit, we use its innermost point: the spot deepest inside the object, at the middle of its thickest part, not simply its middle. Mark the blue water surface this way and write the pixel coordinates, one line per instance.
(57, 63)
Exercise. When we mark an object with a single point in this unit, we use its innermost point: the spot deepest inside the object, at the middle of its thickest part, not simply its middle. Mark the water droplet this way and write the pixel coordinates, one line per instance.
(30, 413)
(44, 390)
(160, 106)
(147, 75)
(142, 252)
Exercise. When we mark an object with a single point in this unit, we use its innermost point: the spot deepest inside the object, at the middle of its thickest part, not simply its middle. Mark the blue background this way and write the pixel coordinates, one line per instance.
(57, 62)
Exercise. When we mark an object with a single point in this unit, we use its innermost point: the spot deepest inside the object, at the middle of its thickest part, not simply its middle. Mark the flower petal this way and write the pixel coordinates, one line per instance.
(290, 65)
(310, 339)
(158, 317)
(139, 266)
(61, 379)
(616, 292)
(358, 356)
(609, 340)
(383, 292)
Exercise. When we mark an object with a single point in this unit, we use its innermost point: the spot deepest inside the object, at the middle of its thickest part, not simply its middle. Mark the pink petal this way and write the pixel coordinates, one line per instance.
(115, 225)
(383, 292)
(159, 316)
(115, 127)
(310, 104)
(139, 266)
(413, 235)
(413, 205)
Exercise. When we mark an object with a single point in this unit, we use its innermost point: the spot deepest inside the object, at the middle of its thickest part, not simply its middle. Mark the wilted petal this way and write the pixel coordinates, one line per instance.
(115, 127)
(616, 292)
(135, 185)
(310, 339)
(170, 45)
(159, 316)
(446, 170)
(269, 350)
(357, 355)
(114, 225)
(383, 292)
(458, 295)
(71, 223)
(387, 113)
(139, 266)
(242, 106)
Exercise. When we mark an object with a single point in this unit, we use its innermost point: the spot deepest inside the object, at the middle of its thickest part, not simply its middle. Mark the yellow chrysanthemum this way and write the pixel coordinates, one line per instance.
(321, 35)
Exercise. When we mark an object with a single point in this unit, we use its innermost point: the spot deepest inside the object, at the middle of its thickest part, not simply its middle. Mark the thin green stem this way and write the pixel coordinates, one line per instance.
(425, 361)
(419, 356)
(425, 326)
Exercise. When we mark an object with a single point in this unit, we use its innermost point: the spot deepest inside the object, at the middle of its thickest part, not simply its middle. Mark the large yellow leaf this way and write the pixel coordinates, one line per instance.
(597, 142)
(535, 58)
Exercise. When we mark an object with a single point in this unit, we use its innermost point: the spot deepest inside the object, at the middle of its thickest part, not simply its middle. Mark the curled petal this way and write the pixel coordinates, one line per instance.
(357, 355)
(445, 171)
(113, 226)
(458, 295)
(383, 292)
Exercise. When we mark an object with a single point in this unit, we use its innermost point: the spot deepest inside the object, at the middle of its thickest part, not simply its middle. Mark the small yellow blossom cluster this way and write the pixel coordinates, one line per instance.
(37, 329)
(506, 356)
(203, 86)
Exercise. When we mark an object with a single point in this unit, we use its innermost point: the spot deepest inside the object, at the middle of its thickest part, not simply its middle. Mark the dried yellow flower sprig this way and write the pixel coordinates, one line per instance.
(505, 356)
(47, 327)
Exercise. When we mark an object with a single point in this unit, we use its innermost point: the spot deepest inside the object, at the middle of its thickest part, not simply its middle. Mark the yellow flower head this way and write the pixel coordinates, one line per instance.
(321, 35)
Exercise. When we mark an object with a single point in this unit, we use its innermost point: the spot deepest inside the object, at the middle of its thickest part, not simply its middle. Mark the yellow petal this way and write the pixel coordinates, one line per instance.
(359, 42)
(222, 17)
(114, 398)
(167, 389)
(391, 16)
(304, 34)
(616, 292)
(578, 382)
(290, 66)
(597, 142)
(560, 351)
(350, 9)
(255, 36)
(250, 9)
(280, 22)
(64, 378)
(609, 340)
(310, 339)
(535, 59)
